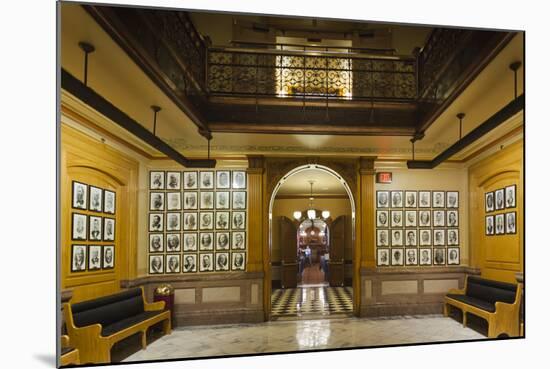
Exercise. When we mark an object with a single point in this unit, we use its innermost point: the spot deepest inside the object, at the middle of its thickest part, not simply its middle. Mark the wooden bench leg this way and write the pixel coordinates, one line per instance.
(144, 339)
(445, 309)
(167, 326)
(464, 318)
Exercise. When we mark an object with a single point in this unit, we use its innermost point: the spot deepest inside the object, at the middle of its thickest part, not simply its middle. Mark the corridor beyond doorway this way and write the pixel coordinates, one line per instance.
(311, 302)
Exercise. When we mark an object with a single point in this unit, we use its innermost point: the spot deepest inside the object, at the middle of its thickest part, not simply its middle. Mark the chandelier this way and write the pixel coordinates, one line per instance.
(311, 212)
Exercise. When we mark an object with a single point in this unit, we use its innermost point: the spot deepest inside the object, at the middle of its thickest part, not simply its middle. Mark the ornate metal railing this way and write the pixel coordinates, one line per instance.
(303, 74)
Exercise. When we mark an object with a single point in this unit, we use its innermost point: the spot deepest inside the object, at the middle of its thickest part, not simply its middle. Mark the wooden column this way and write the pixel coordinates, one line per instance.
(256, 232)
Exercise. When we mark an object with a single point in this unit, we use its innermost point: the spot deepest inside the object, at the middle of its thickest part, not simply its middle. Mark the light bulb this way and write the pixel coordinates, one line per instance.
(297, 215)
(325, 214)
(311, 214)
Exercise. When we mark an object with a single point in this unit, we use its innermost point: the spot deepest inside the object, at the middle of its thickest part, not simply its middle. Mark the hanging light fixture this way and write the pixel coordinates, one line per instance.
(297, 215)
(311, 214)
(325, 214)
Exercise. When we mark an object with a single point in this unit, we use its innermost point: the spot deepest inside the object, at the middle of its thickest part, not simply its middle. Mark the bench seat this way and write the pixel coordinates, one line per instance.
(496, 302)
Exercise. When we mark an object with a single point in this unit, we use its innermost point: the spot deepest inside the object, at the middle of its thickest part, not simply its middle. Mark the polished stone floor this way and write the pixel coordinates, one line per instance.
(303, 335)
(305, 302)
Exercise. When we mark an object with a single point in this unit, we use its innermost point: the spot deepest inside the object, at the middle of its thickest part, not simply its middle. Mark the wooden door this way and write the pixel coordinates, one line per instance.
(336, 251)
(289, 247)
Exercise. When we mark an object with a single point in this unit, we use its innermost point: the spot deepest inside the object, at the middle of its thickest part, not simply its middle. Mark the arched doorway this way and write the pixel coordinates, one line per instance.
(331, 244)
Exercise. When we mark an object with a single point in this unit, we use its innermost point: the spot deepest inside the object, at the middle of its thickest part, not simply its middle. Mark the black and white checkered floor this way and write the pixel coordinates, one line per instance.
(311, 301)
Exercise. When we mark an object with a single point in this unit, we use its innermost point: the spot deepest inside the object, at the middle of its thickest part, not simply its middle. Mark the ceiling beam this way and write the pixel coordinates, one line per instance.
(493, 122)
(91, 98)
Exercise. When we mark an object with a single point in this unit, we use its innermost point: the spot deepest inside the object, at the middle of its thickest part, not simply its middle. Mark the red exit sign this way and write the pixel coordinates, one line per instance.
(383, 177)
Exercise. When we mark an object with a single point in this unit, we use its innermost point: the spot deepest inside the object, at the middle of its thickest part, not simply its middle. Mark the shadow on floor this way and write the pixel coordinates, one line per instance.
(129, 346)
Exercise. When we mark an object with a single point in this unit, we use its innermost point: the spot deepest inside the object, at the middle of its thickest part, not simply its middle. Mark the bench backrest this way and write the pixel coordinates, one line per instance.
(109, 309)
(491, 291)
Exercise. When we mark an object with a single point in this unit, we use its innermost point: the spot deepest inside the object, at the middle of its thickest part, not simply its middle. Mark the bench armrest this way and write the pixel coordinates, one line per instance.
(456, 291)
(65, 341)
(153, 306)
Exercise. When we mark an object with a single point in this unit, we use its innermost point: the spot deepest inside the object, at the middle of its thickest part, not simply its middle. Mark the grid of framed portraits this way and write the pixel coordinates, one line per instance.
(417, 228)
(92, 220)
(197, 221)
(497, 201)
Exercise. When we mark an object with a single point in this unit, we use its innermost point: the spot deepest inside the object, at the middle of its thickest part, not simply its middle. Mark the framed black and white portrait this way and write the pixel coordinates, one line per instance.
(223, 179)
(156, 264)
(173, 264)
(239, 200)
(424, 199)
(94, 257)
(80, 195)
(156, 180)
(510, 197)
(239, 179)
(109, 202)
(206, 262)
(207, 180)
(499, 199)
(190, 181)
(452, 199)
(79, 227)
(489, 225)
(499, 224)
(238, 240)
(173, 222)
(173, 180)
(222, 200)
(156, 242)
(95, 231)
(410, 218)
(173, 201)
(222, 241)
(489, 202)
(156, 222)
(222, 261)
(439, 237)
(206, 241)
(452, 237)
(453, 256)
(238, 260)
(383, 257)
(382, 237)
(411, 257)
(452, 218)
(190, 242)
(173, 242)
(190, 222)
(238, 220)
(397, 257)
(382, 218)
(108, 229)
(190, 201)
(439, 256)
(108, 257)
(425, 257)
(511, 222)
(156, 201)
(397, 237)
(79, 258)
(438, 199)
(424, 218)
(439, 218)
(206, 220)
(189, 263)
(425, 237)
(410, 237)
(222, 220)
(397, 199)
(410, 199)
(207, 200)
(396, 218)
(382, 199)
(96, 199)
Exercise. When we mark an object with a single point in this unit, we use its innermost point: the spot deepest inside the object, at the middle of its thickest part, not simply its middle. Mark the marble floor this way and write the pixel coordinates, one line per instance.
(307, 302)
(302, 335)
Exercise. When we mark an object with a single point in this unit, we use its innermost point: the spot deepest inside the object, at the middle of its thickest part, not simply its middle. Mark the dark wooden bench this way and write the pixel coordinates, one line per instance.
(94, 326)
(496, 302)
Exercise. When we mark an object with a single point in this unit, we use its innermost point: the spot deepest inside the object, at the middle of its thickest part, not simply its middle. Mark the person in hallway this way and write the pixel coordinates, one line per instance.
(308, 255)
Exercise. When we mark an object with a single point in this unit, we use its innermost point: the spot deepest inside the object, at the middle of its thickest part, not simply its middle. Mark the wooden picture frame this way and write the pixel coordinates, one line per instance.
(156, 242)
(396, 199)
(79, 227)
(438, 199)
(108, 257)
(190, 180)
(156, 264)
(452, 218)
(382, 199)
(156, 201)
(238, 261)
(489, 202)
(223, 200)
(223, 179)
(190, 200)
(411, 199)
(500, 227)
(511, 222)
(190, 263)
(439, 256)
(109, 234)
(383, 257)
(397, 256)
(499, 199)
(95, 200)
(81, 264)
(109, 202)
(173, 264)
(510, 196)
(79, 198)
(411, 256)
(206, 241)
(206, 220)
(173, 242)
(382, 218)
(190, 242)
(239, 200)
(382, 238)
(411, 219)
(238, 243)
(206, 262)
(156, 180)
(173, 181)
(396, 218)
(207, 200)
(453, 256)
(452, 199)
(173, 201)
(222, 261)
(95, 257)
(223, 240)
(156, 222)
(206, 180)
(489, 225)
(95, 228)
(424, 199)
(238, 179)
(425, 256)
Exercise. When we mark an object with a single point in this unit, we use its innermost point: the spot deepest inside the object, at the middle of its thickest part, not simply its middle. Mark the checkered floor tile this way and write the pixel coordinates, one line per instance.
(297, 302)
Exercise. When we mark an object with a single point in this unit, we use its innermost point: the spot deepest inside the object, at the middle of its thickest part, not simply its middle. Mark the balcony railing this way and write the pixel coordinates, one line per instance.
(286, 73)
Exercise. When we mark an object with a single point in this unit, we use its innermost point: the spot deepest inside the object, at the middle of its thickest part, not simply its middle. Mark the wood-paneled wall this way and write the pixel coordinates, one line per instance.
(498, 257)
(89, 161)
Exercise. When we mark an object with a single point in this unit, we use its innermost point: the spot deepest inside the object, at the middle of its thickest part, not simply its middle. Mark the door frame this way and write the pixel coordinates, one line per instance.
(292, 172)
